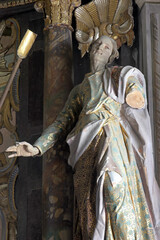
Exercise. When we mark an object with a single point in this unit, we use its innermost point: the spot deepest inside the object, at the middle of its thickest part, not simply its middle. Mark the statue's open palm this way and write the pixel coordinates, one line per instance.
(22, 149)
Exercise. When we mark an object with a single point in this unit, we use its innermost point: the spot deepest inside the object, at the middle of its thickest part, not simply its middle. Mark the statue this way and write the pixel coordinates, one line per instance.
(106, 124)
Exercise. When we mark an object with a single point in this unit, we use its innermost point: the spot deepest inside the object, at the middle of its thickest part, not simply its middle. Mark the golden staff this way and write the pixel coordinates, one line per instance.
(22, 53)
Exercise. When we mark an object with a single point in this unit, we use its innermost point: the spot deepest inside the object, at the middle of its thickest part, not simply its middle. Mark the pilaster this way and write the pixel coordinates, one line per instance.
(149, 32)
(140, 3)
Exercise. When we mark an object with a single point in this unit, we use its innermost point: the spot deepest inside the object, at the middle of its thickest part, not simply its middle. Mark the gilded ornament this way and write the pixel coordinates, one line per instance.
(39, 6)
(10, 3)
(57, 12)
(104, 17)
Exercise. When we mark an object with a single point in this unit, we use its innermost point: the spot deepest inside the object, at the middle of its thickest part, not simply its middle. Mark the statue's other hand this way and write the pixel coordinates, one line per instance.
(135, 99)
(22, 149)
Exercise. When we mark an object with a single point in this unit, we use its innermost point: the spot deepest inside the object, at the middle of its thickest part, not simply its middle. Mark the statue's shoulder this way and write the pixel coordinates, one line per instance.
(115, 73)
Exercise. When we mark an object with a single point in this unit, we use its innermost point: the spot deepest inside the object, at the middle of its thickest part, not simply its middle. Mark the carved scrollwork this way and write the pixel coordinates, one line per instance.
(9, 41)
(8, 211)
(8, 45)
(11, 3)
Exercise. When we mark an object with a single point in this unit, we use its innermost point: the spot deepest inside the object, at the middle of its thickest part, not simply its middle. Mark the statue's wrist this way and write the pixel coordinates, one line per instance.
(37, 151)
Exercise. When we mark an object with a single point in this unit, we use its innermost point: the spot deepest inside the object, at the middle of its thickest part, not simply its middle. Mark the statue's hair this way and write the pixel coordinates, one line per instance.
(115, 53)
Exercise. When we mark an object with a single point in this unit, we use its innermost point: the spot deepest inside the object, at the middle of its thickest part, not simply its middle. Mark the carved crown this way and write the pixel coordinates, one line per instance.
(104, 17)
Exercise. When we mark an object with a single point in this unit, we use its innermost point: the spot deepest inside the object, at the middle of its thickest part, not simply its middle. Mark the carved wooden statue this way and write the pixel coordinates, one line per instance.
(106, 124)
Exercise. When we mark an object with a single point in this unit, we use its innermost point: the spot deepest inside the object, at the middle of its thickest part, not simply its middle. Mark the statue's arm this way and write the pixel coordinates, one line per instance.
(63, 124)
(135, 96)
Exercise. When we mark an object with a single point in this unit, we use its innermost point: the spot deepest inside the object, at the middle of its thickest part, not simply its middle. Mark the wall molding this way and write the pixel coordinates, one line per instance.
(155, 35)
(140, 3)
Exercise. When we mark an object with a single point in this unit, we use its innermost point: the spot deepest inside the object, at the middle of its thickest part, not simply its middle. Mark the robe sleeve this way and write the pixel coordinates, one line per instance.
(133, 84)
(122, 81)
(63, 124)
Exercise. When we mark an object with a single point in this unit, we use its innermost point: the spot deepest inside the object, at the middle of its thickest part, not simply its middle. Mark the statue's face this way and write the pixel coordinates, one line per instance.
(102, 49)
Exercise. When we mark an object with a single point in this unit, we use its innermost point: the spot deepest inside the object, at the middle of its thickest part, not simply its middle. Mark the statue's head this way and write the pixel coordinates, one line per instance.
(104, 49)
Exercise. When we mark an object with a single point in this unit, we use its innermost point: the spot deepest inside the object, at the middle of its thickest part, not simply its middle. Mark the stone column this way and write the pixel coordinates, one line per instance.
(57, 176)
(149, 32)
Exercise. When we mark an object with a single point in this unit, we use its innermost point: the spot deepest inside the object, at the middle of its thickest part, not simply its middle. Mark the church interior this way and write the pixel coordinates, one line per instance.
(36, 193)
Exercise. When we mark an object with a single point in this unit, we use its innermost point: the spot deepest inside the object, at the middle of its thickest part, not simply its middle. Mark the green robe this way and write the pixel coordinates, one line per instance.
(110, 202)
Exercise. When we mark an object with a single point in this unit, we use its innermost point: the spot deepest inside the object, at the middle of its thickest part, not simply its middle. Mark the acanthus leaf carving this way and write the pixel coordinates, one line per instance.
(57, 12)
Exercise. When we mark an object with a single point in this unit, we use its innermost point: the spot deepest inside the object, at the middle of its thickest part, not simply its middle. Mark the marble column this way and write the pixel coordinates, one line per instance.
(57, 175)
(57, 178)
(149, 51)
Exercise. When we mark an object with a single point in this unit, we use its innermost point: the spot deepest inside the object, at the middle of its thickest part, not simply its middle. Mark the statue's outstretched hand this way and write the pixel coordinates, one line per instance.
(22, 149)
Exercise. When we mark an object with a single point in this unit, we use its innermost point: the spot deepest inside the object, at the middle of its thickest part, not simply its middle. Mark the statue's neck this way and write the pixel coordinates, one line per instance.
(97, 66)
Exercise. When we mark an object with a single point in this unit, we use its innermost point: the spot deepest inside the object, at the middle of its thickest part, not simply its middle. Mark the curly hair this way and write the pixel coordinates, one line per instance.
(115, 53)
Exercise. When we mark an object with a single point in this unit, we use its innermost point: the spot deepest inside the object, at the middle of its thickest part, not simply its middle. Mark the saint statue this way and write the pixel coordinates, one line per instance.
(107, 127)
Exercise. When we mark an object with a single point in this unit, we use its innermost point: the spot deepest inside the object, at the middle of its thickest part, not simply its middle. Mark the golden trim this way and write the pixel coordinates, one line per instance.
(15, 3)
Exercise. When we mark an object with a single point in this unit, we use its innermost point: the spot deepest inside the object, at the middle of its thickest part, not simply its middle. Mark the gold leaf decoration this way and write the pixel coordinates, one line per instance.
(57, 12)
(11, 3)
(104, 17)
